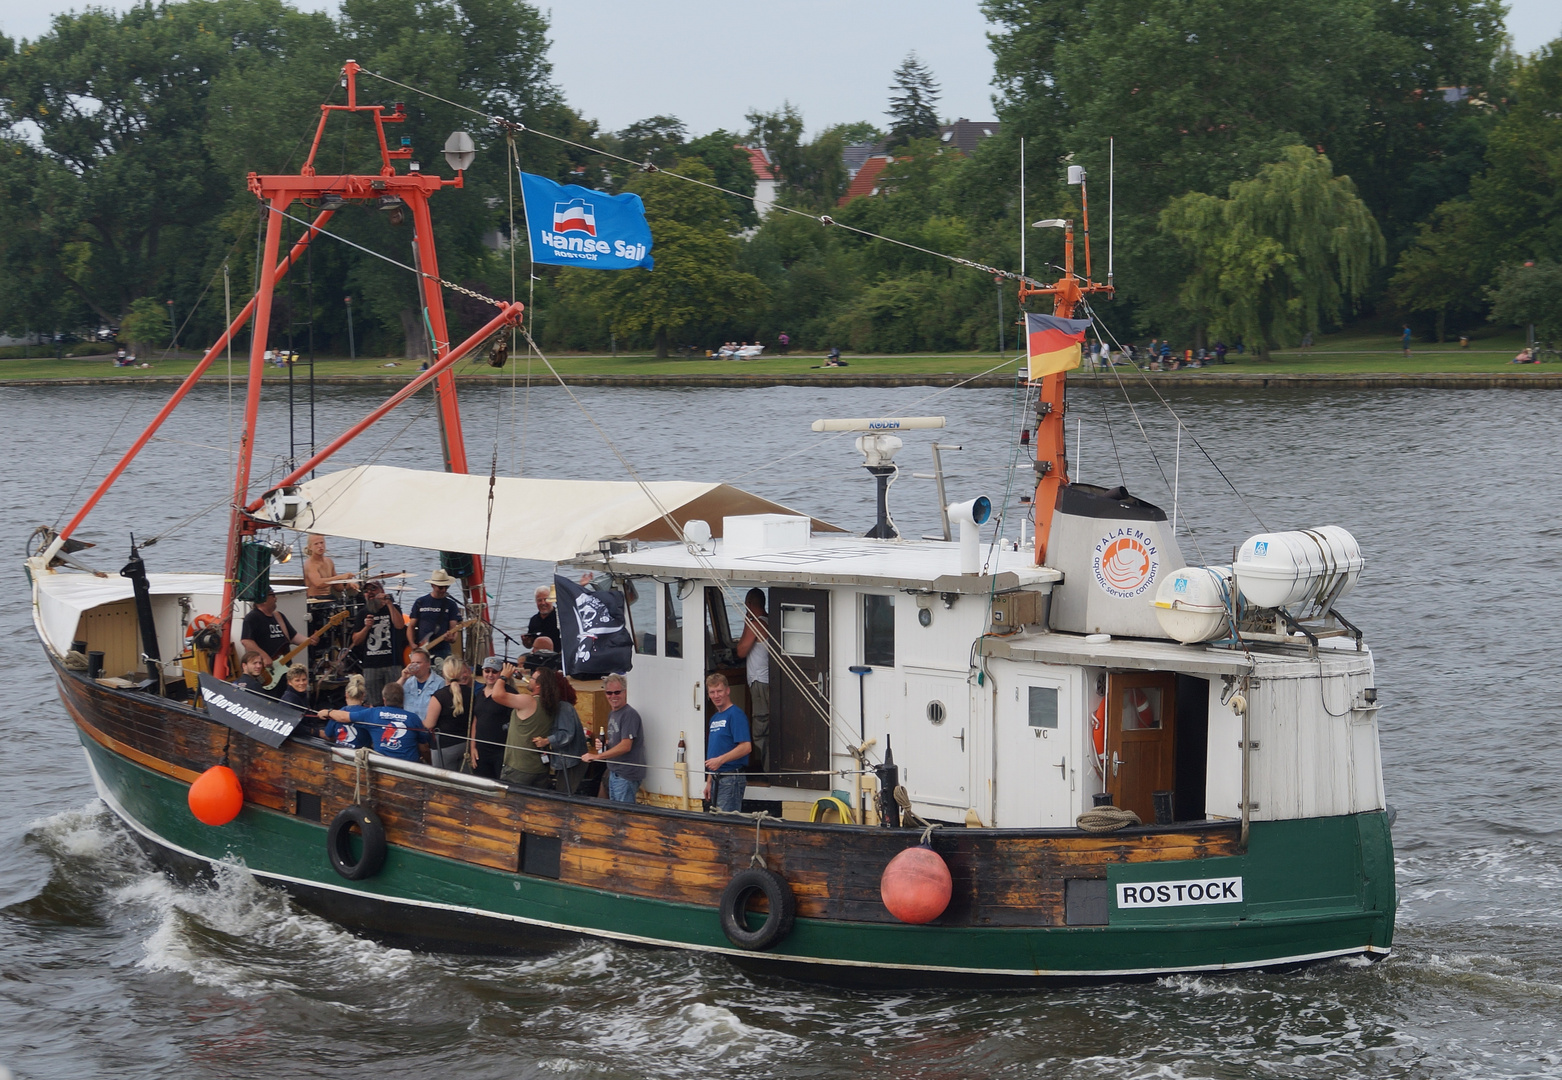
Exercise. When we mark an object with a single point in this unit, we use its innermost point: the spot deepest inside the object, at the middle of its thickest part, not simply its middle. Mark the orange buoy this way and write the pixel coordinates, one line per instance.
(216, 797)
(916, 885)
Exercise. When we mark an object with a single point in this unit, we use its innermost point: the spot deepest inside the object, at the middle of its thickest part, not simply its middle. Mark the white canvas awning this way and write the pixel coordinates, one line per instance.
(546, 520)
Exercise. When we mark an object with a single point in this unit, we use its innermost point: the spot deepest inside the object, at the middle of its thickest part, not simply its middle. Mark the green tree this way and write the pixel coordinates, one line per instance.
(1434, 275)
(1513, 209)
(146, 325)
(913, 102)
(1201, 93)
(657, 139)
(1282, 254)
(1530, 293)
(118, 191)
(719, 153)
(812, 173)
(696, 281)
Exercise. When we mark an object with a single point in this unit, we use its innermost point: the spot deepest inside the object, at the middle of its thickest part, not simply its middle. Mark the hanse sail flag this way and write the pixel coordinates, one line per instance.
(1053, 343)
(570, 225)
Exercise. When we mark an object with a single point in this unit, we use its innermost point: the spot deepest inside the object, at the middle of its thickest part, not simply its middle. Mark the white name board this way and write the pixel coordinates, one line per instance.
(1224, 890)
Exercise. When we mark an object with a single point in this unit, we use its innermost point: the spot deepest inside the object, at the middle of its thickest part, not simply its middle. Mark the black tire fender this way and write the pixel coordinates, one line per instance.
(338, 843)
(734, 905)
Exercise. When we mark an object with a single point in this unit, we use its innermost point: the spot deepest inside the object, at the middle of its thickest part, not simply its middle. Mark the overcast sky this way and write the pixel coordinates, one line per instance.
(708, 62)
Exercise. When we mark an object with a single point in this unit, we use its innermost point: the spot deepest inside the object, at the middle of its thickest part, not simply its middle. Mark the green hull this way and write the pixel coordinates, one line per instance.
(1311, 889)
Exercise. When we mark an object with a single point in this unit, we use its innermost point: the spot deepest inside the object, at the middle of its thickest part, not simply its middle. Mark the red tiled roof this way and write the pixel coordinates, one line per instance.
(759, 162)
(866, 182)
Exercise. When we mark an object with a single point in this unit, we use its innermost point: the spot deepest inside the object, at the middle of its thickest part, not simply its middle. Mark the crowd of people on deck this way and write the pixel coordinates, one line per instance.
(416, 700)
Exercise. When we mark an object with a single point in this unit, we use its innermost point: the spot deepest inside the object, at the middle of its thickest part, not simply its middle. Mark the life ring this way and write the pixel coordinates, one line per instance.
(338, 843)
(734, 908)
(1140, 701)
(199, 623)
(1098, 729)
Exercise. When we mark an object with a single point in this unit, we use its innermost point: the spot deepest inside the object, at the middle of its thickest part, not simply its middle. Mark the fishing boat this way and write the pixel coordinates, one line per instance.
(993, 759)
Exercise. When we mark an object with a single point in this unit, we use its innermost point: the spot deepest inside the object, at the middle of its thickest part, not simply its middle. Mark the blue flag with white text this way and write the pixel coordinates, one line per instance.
(570, 225)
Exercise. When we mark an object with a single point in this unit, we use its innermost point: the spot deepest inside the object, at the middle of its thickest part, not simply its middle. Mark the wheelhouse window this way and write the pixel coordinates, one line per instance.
(878, 630)
(640, 602)
(672, 625)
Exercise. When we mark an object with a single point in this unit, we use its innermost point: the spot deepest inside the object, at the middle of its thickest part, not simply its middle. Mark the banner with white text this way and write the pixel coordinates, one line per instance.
(570, 225)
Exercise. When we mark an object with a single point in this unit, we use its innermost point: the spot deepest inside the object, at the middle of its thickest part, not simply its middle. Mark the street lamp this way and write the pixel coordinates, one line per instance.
(352, 349)
(173, 326)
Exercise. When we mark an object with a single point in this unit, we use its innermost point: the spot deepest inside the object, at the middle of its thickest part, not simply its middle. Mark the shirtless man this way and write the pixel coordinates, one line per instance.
(320, 570)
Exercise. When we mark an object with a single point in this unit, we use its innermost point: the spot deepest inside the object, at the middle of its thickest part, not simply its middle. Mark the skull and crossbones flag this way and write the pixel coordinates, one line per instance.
(596, 639)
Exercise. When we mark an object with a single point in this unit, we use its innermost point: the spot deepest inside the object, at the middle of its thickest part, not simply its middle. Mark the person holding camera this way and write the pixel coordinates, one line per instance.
(378, 640)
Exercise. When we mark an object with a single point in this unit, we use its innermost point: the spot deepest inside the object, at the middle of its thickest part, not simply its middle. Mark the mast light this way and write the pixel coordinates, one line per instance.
(1053, 223)
(459, 151)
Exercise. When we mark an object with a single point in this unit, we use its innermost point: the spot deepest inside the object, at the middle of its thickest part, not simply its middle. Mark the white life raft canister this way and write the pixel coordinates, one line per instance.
(1276, 570)
(1191, 604)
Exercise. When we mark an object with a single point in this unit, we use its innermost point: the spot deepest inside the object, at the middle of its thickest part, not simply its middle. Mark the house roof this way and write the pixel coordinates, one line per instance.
(964, 134)
(866, 182)
(854, 154)
(759, 161)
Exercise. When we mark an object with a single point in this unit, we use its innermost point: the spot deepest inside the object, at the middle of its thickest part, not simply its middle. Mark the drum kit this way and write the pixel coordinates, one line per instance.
(334, 658)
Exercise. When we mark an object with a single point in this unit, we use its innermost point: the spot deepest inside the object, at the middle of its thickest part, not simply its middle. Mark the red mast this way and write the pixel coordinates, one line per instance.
(1067, 293)
(397, 194)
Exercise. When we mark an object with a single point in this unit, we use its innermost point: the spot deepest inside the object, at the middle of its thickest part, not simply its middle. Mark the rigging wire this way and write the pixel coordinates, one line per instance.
(823, 219)
(826, 709)
(1167, 405)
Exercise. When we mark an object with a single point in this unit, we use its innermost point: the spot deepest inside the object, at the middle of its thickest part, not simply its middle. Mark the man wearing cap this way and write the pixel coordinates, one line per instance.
(377, 641)
(433, 615)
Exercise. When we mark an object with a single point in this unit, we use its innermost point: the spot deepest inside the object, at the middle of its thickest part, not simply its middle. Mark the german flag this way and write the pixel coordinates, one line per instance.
(1053, 343)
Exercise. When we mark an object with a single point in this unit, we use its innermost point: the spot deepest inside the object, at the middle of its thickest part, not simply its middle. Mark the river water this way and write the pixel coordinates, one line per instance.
(108, 969)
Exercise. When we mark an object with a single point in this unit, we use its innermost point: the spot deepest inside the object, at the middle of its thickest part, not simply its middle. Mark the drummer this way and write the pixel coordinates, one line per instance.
(320, 572)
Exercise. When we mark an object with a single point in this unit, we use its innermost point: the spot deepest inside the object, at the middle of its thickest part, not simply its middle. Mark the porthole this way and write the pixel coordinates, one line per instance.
(936, 712)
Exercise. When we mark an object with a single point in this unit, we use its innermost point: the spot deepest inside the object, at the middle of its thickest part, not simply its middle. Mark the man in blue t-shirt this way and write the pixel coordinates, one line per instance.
(727, 747)
(434, 615)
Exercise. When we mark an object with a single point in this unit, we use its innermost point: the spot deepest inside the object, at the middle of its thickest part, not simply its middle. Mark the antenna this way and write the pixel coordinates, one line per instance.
(1111, 203)
(1022, 212)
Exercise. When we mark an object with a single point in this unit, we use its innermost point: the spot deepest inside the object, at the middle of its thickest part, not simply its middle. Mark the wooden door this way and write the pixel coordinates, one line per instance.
(1141, 731)
(800, 687)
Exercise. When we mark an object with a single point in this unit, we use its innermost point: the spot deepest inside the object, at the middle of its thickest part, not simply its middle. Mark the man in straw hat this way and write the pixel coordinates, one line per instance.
(433, 615)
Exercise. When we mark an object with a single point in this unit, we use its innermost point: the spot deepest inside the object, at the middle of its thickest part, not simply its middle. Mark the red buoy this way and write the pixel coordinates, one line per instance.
(916, 885)
(216, 797)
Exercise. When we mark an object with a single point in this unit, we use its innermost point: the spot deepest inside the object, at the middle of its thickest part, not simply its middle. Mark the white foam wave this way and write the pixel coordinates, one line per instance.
(246, 939)
(88, 833)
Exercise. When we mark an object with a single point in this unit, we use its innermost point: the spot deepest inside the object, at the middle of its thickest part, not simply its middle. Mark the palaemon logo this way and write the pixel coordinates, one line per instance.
(575, 215)
(1126, 562)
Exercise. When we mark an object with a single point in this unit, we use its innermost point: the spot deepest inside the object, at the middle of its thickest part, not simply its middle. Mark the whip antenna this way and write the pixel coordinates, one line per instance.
(1111, 203)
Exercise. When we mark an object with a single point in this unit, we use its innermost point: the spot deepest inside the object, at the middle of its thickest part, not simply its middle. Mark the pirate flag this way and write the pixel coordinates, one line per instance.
(596, 640)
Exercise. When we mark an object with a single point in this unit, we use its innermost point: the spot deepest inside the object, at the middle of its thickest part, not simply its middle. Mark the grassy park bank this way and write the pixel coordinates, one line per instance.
(1340, 359)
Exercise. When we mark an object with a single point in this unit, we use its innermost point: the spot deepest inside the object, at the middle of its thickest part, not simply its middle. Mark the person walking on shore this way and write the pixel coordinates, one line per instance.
(1404, 340)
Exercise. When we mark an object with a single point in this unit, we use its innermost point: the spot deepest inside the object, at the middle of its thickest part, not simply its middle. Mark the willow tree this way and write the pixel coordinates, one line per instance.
(1284, 253)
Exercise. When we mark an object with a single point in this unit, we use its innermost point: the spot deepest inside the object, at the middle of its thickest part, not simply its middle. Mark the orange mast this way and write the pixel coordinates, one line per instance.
(1067, 292)
(400, 195)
